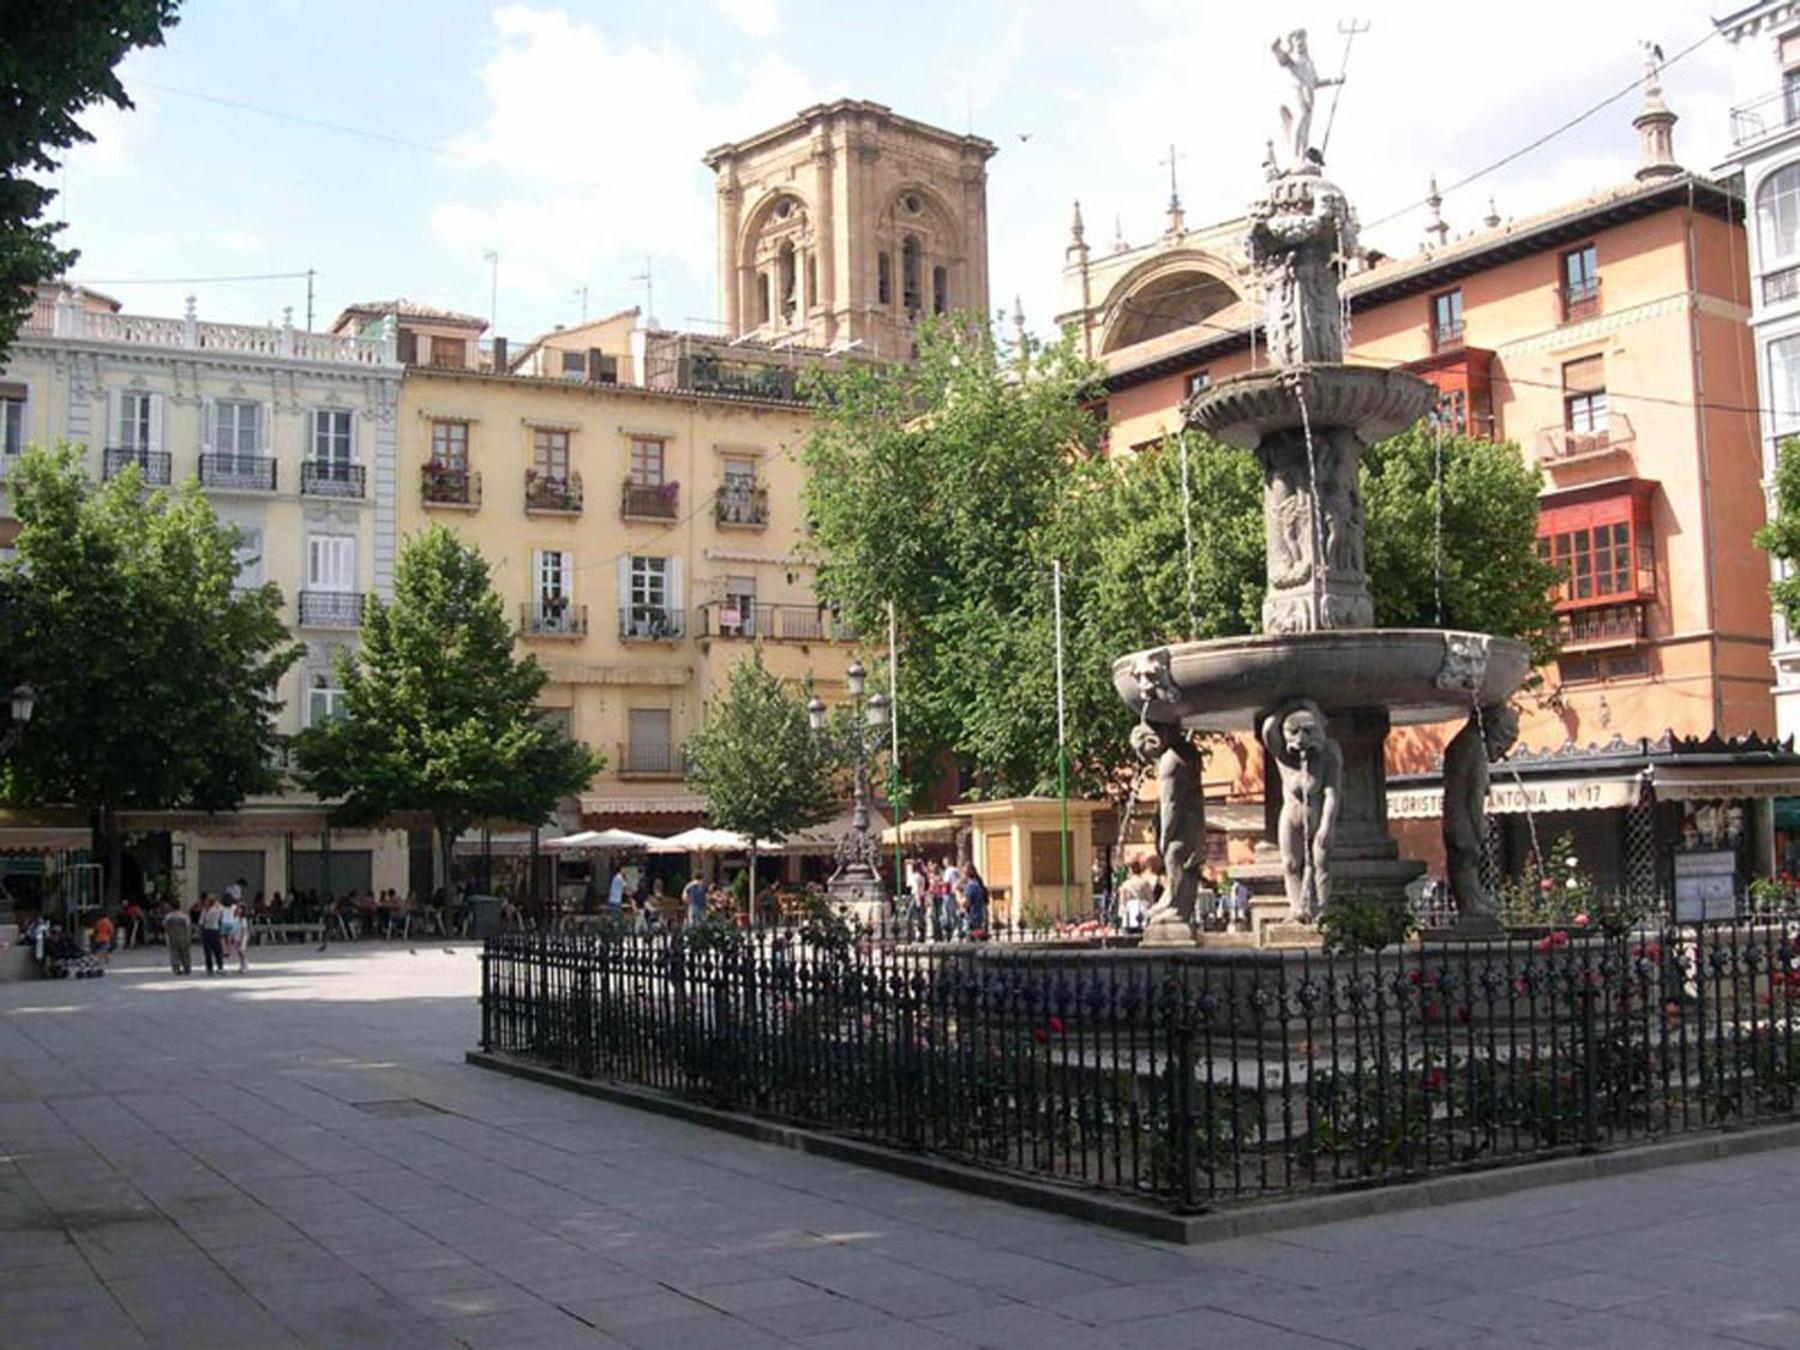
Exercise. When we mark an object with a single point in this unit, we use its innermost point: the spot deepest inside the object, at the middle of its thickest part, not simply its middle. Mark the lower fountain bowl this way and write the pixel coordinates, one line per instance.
(1245, 409)
(1417, 674)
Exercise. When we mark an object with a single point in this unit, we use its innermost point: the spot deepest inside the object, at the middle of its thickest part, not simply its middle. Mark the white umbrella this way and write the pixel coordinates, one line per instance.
(601, 839)
(701, 839)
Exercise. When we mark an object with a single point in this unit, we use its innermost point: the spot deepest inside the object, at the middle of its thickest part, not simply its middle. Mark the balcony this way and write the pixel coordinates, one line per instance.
(329, 478)
(653, 759)
(1604, 626)
(238, 473)
(643, 501)
(772, 623)
(331, 609)
(650, 623)
(1447, 337)
(553, 617)
(1764, 115)
(1561, 445)
(1779, 288)
(1581, 302)
(152, 465)
(743, 507)
(449, 488)
(549, 496)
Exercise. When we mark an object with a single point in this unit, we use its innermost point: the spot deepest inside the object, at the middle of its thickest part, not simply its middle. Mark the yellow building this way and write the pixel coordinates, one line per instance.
(292, 436)
(643, 537)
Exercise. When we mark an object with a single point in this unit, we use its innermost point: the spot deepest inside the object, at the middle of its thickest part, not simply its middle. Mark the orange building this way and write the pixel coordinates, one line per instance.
(1608, 339)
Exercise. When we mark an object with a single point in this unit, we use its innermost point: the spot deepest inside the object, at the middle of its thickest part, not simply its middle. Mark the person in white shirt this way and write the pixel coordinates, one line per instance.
(615, 894)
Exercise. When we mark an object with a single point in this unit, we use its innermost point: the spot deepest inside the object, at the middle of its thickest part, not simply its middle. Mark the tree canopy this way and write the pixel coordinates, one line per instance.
(1780, 537)
(439, 716)
(948, 487)
(765, 772)
(57, 58)
(155, 674)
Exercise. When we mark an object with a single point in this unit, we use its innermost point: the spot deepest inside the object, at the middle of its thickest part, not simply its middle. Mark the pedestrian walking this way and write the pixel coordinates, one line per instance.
(975, 903)
(212, 939)
(179, 934)
(239, 943)
(694, 893)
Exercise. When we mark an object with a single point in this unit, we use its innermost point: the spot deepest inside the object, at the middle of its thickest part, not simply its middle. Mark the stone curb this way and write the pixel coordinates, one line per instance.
(1147, 1221)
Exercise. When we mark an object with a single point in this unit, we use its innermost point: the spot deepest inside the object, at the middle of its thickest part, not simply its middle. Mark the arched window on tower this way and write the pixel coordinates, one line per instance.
(940, 289)
(884, 279)
(786, 271)
(912, 263)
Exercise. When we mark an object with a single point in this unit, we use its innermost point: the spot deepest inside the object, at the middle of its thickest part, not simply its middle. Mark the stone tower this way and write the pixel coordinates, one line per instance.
(847, 225)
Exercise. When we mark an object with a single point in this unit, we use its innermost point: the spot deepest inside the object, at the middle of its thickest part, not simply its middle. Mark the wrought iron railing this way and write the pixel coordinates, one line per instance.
(238, 473)
(1604, 625)
(331, 478)
(742, 506)
(444, 485)
(553, 618)
(651, 759)
(560, 496)
(1765, 115)
(1580, 300)
(773, 623)
(1185, 1079)
(1447, 336)
(153, 465)
(1781, 286)
(1614, 435)
(649, 623)
(641, 501)
(331, 609)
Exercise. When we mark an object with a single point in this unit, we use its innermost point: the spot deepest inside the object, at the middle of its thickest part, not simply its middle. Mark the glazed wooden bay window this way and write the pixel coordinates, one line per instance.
(1605, 549)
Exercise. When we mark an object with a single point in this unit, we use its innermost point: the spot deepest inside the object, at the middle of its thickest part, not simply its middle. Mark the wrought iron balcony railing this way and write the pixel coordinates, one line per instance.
(153, 465)
(642, 501)
(330, 478)
(547, 494)
(651, 759)
(1604, 625)
(226, 472)
(772, 623)
(746, 507)
(553, 617)
(1580, 301)
(1447, 337)
(1765, 115)
(1566, 443)
(331, 609)
(445, 485)
(650, 623)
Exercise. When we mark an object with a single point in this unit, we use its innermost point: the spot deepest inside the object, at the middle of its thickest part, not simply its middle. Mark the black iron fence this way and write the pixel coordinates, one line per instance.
(1187, 1079)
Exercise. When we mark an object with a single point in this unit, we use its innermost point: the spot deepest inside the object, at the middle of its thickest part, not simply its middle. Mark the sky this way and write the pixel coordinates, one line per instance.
(392, 148)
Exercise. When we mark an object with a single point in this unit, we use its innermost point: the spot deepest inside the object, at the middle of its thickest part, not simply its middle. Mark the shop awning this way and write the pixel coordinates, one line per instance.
(923, 830)
(1601, 792)
(680, 803)
(1687, 782)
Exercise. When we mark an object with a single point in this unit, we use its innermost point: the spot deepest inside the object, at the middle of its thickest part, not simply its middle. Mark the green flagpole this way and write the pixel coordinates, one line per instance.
(1062, 748)
(894, 743)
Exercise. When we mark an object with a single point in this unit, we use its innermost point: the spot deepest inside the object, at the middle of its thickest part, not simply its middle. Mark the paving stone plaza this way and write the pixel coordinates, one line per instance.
(300, 1156)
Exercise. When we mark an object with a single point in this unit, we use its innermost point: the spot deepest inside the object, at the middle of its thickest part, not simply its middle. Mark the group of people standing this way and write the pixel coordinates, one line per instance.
(947, 902)
(224, 928)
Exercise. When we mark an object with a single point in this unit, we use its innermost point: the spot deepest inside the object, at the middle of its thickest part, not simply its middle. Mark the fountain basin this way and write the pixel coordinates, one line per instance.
(1416, 674)
(1245, 409)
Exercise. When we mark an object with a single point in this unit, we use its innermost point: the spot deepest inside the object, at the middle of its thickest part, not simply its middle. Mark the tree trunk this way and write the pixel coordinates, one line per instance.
(446, 833)
(115, 859)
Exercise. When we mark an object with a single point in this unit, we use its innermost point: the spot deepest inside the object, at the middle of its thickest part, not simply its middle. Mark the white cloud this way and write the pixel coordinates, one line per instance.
(753, 18)
(590, 156)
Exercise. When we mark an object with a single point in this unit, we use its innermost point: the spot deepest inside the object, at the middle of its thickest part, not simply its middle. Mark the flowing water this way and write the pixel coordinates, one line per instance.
(1318, 509)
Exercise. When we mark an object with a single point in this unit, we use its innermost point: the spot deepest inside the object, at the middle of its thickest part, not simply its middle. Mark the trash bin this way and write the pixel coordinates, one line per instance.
(484, 916)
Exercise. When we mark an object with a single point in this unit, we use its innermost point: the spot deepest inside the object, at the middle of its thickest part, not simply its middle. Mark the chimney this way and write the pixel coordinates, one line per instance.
(1655, 124)
(499, 356)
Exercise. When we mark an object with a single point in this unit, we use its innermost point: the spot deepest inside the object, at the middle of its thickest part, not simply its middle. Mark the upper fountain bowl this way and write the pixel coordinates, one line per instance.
(1417, 674)
(1244, 409)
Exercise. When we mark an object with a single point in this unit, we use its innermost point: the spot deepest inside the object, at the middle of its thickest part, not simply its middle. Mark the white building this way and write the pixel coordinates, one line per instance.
(1765, 139)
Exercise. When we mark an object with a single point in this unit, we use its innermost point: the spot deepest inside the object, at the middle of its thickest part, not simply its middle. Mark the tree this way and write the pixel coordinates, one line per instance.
(57, 59)
(1780, 538)
(940, 486)
(155, 674)
(764, 771)
(439, 716)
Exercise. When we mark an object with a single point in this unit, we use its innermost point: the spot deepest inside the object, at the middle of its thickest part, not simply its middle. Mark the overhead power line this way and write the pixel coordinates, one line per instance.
(185, 281)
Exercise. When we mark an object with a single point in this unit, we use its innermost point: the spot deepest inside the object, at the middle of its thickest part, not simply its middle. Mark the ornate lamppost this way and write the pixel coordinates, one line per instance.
(856, 884)
(23, 696)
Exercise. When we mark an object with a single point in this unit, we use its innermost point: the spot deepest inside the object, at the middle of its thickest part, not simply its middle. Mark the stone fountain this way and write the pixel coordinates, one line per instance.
(1320, 686)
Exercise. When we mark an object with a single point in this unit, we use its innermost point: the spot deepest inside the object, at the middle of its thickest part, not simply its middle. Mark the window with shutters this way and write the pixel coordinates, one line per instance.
(1046, 858)
(324, 700)
(550, 453)
(554, 575)
(236, 432)
(1584, 396)
(647, 461)
(650, 747)
(137, 411)
(331, 562)
(649, 586)
(450, 444)
(738, 614)
(12, 419)
(332, 437)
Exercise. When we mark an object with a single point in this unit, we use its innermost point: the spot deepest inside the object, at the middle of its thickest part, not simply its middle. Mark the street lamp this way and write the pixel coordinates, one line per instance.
(857, 884)
(23, 697)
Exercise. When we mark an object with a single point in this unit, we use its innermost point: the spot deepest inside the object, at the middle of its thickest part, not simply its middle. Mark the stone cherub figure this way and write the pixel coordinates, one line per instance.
(1296, 121)
(1181, 815)
(1484, 739)
(1312, 780)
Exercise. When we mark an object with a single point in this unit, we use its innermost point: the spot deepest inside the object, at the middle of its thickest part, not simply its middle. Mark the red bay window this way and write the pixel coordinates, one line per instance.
(1599, 536)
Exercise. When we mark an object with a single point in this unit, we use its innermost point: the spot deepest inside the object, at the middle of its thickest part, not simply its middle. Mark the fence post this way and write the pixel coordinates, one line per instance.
(1590, 1069)
(487, 999)
(1181, 1053)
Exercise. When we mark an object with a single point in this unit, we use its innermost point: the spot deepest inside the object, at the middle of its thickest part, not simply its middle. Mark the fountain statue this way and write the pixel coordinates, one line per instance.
(1320, 684)
(1180, 827)
(1486, 737)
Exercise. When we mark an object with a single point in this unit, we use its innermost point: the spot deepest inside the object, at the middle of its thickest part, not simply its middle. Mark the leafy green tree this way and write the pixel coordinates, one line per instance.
(764, 771)
(155, 674)
(941, 486)
(1780, 538)
(57, 58)
(439, 715)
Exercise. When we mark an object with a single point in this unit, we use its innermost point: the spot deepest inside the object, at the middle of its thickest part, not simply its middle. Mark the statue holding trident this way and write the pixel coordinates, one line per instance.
(1296, 121)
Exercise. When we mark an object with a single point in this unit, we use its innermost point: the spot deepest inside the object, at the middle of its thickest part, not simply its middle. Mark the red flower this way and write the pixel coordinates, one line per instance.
(1056, 1026)
(1412, 977)
(1434, 1080)
(1559, 939)
(1519, 986)
(1037, 1034)
(1581, 920)
(1462, 1012)
(1543, 946)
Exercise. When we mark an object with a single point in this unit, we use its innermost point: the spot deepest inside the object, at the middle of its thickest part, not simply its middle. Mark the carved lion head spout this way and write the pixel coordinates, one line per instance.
(1465, 664)
(1153, 677)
